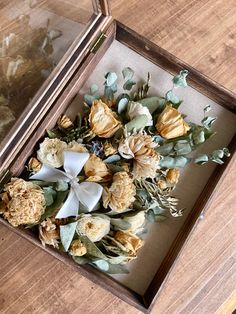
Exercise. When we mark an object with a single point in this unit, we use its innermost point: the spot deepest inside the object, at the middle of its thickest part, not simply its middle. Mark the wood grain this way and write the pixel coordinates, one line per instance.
(203, 279)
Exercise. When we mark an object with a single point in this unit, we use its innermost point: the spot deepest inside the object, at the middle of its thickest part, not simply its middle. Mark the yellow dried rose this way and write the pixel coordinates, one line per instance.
(130, 241)
(34, 164)
(121, 194)
(51, 152)
(96, 170)
(24, 202)
(140, 147)
(76, 147)
(49, 233)
(64, 122)
(103, 121)
(170, 123)
(172, 176)
(77, 248)
(94, 227)
(109, 149)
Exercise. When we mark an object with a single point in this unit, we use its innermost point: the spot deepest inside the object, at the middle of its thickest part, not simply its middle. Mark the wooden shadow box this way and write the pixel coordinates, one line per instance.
(106, 45)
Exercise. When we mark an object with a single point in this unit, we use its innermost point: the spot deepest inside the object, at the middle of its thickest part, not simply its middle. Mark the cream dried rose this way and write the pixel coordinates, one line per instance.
(24, 202)
(136, 109)
(51, 152)
(136, 221)
(103, 121)
(94, 227)
(77, 248)
(130, 241)
(121, 194)
(49, 233)
(96, 170)
(76, 147)
(140, 148)
(170, 123)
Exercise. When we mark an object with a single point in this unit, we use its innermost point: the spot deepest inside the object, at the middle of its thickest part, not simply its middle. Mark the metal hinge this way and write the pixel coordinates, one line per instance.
(5, 177)
(98, 43)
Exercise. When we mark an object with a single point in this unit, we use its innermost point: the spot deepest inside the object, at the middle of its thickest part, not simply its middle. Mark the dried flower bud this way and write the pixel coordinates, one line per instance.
(64, 122)
(170, 123)
(34, 164)
(49, 233)
(77, 248)
(162, 184)
(130, 241)
(172, 176)
(109, 149)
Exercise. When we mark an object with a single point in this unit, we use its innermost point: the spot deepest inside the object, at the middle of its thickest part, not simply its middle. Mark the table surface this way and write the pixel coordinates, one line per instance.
(202, 33)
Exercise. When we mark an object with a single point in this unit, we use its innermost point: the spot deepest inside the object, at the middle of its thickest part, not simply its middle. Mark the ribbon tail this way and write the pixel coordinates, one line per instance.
(70, 207)
(89, 194)
(47, 173)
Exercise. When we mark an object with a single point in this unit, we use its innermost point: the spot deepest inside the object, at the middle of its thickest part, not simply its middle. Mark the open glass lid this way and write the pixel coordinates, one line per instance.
(37, 37)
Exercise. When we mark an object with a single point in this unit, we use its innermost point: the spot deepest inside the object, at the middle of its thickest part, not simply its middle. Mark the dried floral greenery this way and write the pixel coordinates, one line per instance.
(137, 146)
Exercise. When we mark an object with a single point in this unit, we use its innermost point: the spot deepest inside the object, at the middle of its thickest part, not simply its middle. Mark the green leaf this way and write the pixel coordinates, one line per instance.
(129, 84)
(128, 73)
(182, 148)
(60, 197)
(174, 162)
(122, 105)
(101, 264)
(117, 269)
(119, 223)
(180, 79)
(219, 153)
(170, 96)
(61, 186)
(67, 233)
(207, 108)
(198, 136)
(165, 149)
(89, 99)
(153, 103)
(226, 152)
(81, 260)
(94, 89)
(52, 134)
(111, 78)
(111, 159)
(49, 195)
(137, 123)
(201, 159)
(91, 247)
(208, 121)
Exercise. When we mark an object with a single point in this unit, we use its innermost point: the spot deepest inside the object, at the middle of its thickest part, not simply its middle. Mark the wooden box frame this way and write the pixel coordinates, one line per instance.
(110, 30)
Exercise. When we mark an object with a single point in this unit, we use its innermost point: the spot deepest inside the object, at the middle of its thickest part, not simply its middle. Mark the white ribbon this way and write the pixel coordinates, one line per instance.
(88, 193)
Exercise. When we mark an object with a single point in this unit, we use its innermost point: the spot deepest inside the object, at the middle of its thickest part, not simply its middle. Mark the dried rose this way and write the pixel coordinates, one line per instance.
(170, 123)
(103, 121)
(94, 227)
(162, 184)
(76, 147)
(109, 149)
(51, 152)
(96, 170)
(49, 233)
(120, 195)
(34, 164)
(24, 202)
(77, 248)
(140, 147)
(172, 176)
(64, 122)
(136, 109)
(130, 241)
(136, 221)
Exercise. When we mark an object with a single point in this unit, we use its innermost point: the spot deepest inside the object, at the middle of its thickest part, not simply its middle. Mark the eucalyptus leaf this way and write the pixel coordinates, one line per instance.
(198, 136)
(165, 149)
(207, 108)
(129, 84)
(170, 96)
(101, 264)
(122, 105)
(201, 159)
(52, 134)
(111, 159)
(49, 195)
(208, 121)
(94, 89)
(61, 185)
(137, 123)
(153, 103)
(119, 223)
(180, 79)
(92, 249)
(182, 148)
(111, 78)
(89, 99)
(67, 233)
(174, 162)
(128, 73)
(60, 197)
(81, 260)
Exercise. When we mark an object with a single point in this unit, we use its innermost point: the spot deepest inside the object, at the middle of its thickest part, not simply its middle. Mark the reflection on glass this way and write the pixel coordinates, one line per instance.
(34, 35)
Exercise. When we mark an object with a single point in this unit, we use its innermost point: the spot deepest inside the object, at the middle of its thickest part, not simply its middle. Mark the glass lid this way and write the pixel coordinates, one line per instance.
(34, 36)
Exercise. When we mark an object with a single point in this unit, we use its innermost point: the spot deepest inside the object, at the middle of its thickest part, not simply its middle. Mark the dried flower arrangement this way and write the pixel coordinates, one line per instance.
(95, 182)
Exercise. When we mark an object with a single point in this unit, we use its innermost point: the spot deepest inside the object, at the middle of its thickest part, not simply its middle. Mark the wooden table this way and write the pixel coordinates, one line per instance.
(202, 33)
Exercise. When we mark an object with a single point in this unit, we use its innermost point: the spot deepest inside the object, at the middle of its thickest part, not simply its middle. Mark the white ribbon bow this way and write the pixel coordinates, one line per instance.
(88, 193)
